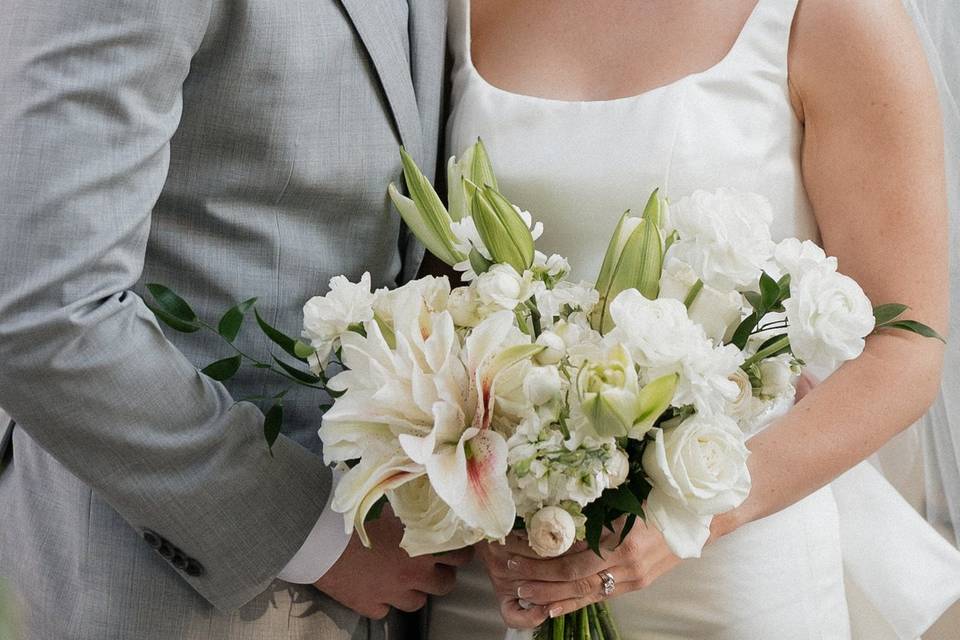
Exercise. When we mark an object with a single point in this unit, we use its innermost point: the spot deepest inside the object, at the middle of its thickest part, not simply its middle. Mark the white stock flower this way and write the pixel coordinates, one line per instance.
(501, 287)
(551, 531)
(542, 384)
(718, 312)
(697, 469)
(577, 296)
(724, 236)
(326, 318)
(829, 316)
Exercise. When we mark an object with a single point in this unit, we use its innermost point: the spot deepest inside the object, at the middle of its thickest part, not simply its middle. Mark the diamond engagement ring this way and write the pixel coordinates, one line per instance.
(607, 583)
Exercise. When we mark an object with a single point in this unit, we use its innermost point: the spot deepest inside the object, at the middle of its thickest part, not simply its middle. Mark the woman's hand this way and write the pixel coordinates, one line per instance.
(530, 588)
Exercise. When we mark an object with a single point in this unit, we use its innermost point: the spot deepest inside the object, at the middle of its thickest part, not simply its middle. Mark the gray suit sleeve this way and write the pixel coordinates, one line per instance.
(90, 95)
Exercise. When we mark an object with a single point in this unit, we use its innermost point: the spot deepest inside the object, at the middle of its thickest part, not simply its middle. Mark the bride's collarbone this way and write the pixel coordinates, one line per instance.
(569, 50)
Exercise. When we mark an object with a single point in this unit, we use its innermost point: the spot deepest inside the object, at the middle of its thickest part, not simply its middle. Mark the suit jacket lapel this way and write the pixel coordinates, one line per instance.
(375, 25)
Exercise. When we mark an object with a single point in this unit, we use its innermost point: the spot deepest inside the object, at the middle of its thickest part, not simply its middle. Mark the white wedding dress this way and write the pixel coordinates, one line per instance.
(577, 166)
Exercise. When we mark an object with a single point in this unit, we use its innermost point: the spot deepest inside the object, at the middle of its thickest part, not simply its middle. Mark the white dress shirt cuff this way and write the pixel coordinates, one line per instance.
(323, 547)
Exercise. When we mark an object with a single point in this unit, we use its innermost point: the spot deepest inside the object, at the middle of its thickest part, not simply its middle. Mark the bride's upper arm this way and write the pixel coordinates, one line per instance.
(873, 149)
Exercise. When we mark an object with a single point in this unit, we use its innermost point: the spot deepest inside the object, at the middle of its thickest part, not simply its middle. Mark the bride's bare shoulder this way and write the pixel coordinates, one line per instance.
(863, 49)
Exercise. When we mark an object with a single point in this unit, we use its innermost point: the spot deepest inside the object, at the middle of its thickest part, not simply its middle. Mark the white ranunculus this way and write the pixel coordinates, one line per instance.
(829, 316)
(724, 236)
(797, 258)
(551, 531)
(718, 312)
(618, 469)
(326, 318)
(778, 376)
(741, 404)
(701, 464)
(501, 287)
(542, 384)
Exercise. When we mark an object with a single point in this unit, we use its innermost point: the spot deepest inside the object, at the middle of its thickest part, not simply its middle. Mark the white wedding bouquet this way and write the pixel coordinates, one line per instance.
(521, 399)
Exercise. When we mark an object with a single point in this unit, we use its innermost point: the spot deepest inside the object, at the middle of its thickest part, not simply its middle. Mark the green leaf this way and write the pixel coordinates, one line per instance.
(596, 514)
(279, 338)
(302, 350)
(915, 327)
(886, 313)
(302, 376)
(773, 340)
(272, 423)
(173, 322)
(755, 300)
(769, 292)
(171, 303)
(784, 284)
(623, 499)
(744, 329)
(231, 321)
(223, 369)
(627, 527)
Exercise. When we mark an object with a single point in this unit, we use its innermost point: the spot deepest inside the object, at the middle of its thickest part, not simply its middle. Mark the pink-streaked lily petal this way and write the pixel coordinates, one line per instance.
(471, 478)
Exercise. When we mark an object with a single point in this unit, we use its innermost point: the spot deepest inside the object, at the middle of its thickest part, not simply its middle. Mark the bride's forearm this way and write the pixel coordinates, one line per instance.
(838, 424)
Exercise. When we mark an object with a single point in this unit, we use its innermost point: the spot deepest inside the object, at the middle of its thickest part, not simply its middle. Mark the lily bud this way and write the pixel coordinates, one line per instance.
(475, 166)
(424, 213)
(634, 260)
(502, 230)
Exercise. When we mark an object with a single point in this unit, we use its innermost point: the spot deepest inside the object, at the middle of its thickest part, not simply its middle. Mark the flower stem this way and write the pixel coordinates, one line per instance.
(607, 625)
(767, 351)
(693, 293)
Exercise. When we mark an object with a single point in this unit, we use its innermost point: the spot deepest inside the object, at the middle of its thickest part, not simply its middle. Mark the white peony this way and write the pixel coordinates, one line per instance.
(697, 469)
(718, 312)
(662, 339)
(326, 318)
(797, 258)
(501, 287)
(724, 236)
(829, 316)
(551, 531)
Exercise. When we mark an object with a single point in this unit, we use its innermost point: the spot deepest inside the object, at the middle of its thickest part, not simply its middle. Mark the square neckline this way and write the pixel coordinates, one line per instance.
(680, 81)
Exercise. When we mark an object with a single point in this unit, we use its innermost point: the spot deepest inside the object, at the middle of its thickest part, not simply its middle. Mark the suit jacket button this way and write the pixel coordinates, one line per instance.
(179, 562)
(152, 538)
(165, 550)
(194, 569)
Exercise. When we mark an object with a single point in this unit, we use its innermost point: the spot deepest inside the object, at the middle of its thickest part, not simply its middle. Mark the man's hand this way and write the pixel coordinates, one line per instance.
(370, 581)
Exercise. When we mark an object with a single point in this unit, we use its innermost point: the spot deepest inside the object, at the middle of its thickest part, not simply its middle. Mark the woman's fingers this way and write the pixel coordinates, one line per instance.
(565, 568)
(545, 593)
(517, 617)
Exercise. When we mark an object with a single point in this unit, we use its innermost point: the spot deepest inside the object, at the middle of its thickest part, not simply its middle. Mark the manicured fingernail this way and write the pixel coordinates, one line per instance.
(556, 611)
(524, 604)
(513, 564)
(524, 591)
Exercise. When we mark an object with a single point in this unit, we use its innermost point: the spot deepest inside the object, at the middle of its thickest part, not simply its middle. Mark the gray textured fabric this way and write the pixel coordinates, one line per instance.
(227, 148)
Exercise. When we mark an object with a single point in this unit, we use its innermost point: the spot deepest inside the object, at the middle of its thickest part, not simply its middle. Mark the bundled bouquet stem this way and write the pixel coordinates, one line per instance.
(523, 399)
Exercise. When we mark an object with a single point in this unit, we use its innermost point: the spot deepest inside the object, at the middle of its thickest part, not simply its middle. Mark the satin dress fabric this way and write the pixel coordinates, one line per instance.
(577, 166)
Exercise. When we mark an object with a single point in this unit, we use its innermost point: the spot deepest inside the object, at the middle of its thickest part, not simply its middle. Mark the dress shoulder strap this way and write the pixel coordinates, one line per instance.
(765, 37)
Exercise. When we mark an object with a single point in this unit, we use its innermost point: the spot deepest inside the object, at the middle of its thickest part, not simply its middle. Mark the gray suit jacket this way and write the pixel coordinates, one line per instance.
(227, 148)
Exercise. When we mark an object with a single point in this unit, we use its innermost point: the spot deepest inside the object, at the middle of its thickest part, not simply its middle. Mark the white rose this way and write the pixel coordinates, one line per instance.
(502, 287)
(551, 531)
(618, 469)
(463, 304)
(326, 318)
(541, 384)
(718, 312)
(829, 316)
(701, 463)
(724, 236)
(697, 469)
